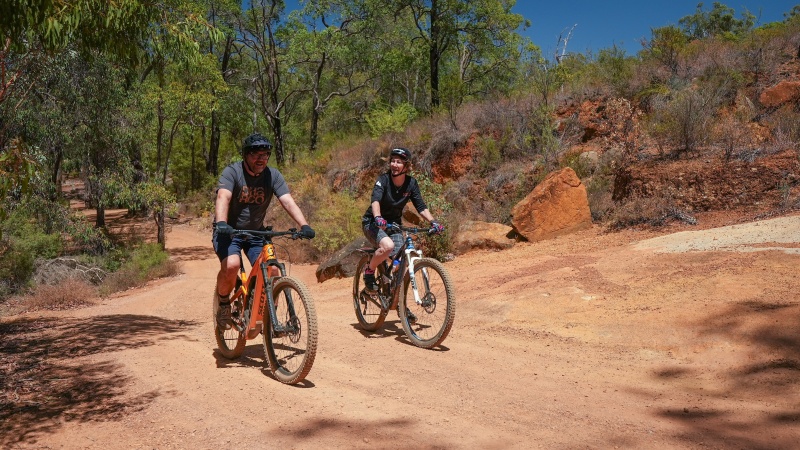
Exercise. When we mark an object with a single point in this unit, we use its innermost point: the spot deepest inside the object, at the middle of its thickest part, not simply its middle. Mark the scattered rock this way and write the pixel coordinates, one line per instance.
(476, 235)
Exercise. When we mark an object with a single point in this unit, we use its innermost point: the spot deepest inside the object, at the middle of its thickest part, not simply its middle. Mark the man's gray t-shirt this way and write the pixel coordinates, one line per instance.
(251, 195)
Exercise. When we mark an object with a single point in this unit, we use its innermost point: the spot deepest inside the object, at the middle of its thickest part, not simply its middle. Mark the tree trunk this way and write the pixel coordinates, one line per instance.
(213, 147)
(160, 217)
(193, 182)
(159, 133)
(435, 53)
(55, 176)
(316, 105)
(212, 165)
(277, 128)
(100, 222)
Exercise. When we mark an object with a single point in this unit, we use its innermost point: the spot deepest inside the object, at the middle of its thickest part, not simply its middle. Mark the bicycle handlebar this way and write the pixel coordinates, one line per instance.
(412, 230)
(292, 233)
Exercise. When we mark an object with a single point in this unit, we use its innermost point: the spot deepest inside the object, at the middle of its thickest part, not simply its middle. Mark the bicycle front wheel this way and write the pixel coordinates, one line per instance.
(427, 323)
(230, 342)
(290, 349)
(368, 309)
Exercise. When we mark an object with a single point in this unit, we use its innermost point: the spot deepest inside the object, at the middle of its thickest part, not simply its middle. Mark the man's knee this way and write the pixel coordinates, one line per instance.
(230, 266)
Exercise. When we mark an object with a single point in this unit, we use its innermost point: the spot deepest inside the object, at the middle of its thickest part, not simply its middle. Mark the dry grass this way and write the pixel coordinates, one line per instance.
(131, 277)
(70, 293)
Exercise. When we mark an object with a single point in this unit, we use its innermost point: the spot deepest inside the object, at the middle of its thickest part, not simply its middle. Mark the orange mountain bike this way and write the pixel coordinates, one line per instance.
(420, 289)
(290, 331)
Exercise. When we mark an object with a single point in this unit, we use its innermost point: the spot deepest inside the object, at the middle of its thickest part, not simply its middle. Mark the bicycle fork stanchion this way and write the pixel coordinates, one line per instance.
(413, 278)
(277, 327)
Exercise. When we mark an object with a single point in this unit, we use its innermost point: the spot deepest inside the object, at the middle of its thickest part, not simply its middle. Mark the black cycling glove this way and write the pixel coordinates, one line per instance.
(307, 232)
(222, 227)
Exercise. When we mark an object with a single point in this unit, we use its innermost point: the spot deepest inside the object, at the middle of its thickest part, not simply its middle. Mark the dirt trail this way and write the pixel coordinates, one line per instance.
(588, 341)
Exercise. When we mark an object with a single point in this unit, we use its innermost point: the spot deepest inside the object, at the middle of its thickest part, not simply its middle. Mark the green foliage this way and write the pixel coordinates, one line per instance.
(681, 121)
(146, 262)
(23, 242)
(599, 195)
(581, 166)
(614, 69)
(337, 223)
(16, 171)
(546, 142)
(437, 246)
(665, 46)
(720, 21)
(490, 156)
(382, 119)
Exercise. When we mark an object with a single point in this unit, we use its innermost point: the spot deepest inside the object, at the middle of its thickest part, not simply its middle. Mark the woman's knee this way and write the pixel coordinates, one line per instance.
(387, 245)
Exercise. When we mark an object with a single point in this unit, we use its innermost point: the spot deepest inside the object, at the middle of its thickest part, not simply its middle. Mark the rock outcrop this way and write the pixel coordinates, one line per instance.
(781, 93)
(556, 206)
(343, 263)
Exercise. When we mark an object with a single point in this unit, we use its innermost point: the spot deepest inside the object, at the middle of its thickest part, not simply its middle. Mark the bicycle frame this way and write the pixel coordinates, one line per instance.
(411, 254)
(265, 268)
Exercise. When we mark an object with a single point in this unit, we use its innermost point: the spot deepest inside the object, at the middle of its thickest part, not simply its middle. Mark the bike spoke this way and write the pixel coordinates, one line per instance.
(433, 316)
(291, 346)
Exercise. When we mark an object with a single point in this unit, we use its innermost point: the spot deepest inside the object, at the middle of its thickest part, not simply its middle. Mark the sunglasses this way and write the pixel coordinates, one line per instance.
(259, 155)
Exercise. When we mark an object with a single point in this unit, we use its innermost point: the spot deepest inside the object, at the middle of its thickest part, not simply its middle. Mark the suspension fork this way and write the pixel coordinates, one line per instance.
(411, 276)
(277, 327)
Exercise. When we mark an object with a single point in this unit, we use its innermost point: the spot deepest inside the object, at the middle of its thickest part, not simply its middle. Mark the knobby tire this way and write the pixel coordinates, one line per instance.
(291, 356)
(368, 311)
(436, 315)
(230, 342)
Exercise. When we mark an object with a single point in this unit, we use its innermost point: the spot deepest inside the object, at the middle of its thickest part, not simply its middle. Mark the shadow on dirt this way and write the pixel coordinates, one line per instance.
(199, 252)
(43, 384)
(762, 392)
(393, 328)
(369, 433)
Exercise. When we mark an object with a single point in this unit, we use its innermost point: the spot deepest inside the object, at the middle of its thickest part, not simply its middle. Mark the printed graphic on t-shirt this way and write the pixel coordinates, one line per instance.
(254, 195)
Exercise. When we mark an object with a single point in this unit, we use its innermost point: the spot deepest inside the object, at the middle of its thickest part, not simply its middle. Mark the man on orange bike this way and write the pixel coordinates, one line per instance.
(390, 194)
(244, 192)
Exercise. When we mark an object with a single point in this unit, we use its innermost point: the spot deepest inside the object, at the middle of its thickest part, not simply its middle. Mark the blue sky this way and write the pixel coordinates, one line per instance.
(601, 24)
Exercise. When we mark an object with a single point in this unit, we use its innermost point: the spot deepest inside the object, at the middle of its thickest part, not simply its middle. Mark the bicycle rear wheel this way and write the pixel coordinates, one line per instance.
(435, 314)
(368, 308)
(230, 342)
(291, 351)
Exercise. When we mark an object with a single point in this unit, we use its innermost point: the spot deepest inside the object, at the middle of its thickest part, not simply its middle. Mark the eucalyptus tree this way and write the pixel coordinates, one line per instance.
(129, 32)
(30, 28)
(468, 33)
(267, 33)
(719, 21)
(337, 51)
(221, 15)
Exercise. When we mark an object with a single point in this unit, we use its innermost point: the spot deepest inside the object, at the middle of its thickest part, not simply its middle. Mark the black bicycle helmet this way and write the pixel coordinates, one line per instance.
(255, 142)
(402, 153)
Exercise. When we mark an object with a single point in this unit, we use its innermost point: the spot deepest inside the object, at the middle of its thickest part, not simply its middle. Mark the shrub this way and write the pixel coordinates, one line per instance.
(598, 192)
(22, 243)
(337, 222)
(145, 263)
(383, 119)
(68, 294)
(681, 121)
(436, 246)
(786, 129)
(490, 156)
(654, 211)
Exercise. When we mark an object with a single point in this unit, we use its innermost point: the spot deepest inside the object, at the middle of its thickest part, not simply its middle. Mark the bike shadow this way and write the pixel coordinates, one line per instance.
(393, 328)
(253, 356)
